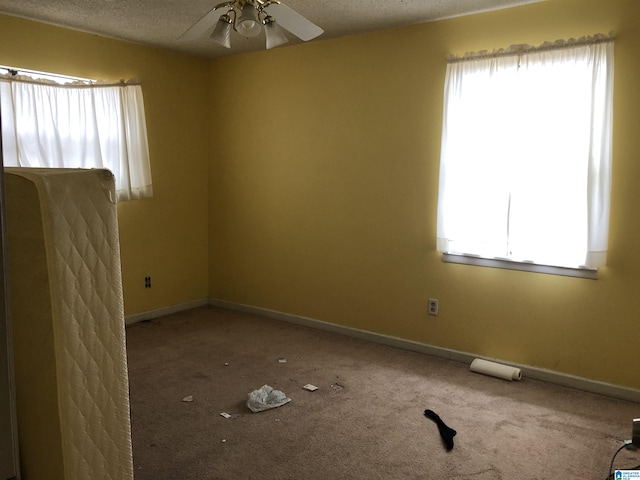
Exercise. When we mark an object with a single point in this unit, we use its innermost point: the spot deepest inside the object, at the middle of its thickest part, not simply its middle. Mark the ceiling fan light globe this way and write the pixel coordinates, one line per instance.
(248, 24)
(222, 33)
(274, 34)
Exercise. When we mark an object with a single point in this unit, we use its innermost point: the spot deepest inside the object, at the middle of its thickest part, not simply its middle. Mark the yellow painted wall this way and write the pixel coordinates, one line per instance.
(323, 191)
(164, 237)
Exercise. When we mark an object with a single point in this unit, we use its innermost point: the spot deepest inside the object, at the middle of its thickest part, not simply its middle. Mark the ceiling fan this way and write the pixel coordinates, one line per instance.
(248, 17)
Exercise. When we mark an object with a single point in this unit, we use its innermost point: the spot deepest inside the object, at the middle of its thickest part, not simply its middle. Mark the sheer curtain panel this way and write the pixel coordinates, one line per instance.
(525, 169)
(78, 126)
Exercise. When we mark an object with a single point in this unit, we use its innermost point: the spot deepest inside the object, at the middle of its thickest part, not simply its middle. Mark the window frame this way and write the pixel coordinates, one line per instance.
(106, 130)
(451, 255)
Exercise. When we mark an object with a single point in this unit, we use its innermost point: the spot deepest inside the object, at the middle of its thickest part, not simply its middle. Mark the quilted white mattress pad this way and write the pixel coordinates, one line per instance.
(69, 338)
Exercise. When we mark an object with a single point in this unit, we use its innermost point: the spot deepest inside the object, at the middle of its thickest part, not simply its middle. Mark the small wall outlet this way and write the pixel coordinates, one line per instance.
(433, 306)
(147, 282)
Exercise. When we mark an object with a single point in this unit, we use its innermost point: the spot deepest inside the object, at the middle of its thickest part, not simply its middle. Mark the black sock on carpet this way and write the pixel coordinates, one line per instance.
(447, 433)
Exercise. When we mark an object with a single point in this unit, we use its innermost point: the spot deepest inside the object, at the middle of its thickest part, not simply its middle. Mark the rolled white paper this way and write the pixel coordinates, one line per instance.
(496, 370)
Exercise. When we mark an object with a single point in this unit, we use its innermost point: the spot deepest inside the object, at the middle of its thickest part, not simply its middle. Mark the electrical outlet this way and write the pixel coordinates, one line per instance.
(433, 306)
(147, 282)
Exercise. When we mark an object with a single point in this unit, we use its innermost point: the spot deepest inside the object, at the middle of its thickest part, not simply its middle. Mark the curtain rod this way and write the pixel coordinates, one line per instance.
(523, 49)
(17, 71)
(25, 76)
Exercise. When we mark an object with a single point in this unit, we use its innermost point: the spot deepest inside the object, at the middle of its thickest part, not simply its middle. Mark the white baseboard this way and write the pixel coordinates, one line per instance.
(550, 376)
(160, 312)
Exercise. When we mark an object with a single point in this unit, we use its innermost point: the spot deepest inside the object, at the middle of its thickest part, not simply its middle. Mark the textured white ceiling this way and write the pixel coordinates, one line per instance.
(160, 22)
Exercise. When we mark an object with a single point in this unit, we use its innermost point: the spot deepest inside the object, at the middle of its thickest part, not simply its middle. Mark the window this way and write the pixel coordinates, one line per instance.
(526, 155)
(62, 123)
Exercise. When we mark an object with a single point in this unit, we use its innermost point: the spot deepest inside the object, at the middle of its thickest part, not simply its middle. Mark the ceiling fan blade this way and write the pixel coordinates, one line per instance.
(292, 21)
(205, 23)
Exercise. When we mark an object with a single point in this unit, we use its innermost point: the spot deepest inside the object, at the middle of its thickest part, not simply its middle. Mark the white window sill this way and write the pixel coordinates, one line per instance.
(522, 266)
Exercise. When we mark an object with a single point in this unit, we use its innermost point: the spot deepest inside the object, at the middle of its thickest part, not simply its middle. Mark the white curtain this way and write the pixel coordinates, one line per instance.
(525, 167)
(78, 126)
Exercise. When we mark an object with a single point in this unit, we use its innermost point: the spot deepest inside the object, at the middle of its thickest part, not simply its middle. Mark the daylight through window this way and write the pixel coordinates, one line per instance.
(48, 122)
(526, 155)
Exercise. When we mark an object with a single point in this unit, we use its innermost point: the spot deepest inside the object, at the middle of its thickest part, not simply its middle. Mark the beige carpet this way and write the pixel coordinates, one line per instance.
(366, 419)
